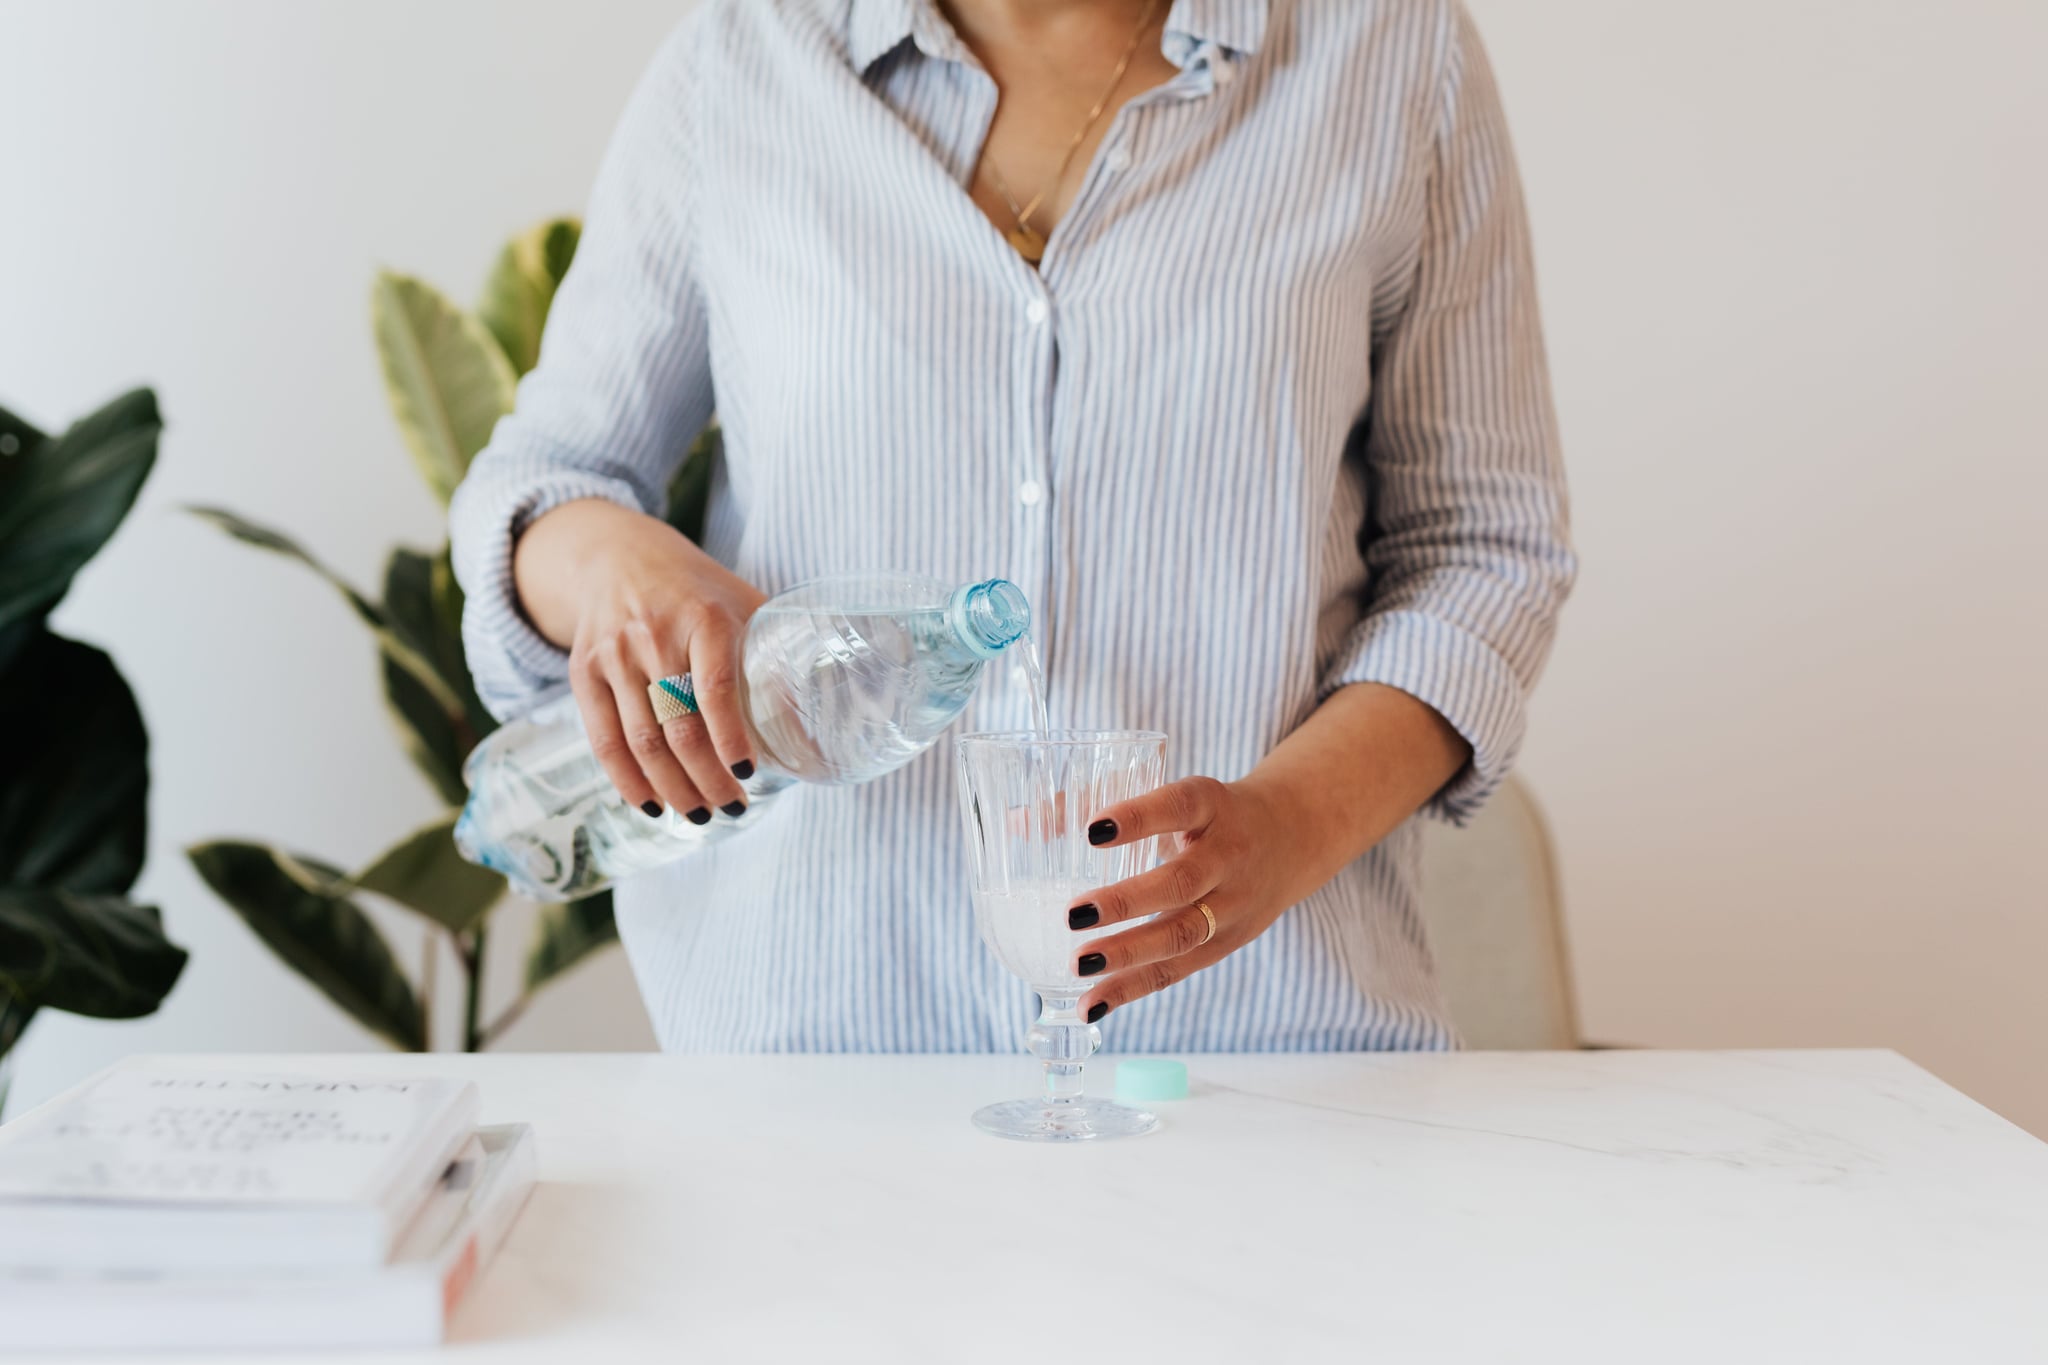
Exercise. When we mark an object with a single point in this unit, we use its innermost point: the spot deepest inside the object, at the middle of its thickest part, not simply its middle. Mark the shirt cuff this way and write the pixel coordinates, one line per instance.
(514, 665)
(1459, 676)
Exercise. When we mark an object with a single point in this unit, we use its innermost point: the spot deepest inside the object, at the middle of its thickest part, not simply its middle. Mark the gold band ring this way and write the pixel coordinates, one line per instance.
(1210, 916)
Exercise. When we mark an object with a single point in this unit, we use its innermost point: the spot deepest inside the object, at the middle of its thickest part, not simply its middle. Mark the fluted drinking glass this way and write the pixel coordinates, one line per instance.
(1027, 799)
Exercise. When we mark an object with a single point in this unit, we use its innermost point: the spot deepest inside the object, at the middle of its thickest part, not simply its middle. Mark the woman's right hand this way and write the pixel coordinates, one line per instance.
(634, 600)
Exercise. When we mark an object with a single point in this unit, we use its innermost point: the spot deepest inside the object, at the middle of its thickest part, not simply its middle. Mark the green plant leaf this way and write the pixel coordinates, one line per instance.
(447, 377)
(394, 643)
(427, 606)
(451, 656)
(102, 956)
(567, 934)
(437, 735)
(522, 285)
(426, 875)
(61, 497)
(74, 771)
(301, 909)
(263, 538)
(14, 637)
(14, 1017)
(418, 589)
(689, 492)
(17, 436)
(423, 728)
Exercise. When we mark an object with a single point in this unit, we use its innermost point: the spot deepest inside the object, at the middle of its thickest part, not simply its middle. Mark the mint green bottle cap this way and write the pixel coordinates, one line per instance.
(1151, 1078)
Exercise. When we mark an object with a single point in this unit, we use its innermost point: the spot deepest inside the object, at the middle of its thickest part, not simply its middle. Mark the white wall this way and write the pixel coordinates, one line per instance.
(1792, 263)
(1792, 740)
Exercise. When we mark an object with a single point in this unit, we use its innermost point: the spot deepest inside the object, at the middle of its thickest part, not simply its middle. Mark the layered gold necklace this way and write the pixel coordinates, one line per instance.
(1028, 240)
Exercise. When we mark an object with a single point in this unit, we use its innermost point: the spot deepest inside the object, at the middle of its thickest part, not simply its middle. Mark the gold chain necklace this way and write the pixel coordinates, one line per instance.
(1028, 240)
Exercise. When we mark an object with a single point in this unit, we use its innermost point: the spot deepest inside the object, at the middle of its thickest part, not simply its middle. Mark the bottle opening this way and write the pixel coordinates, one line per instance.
(991, 616)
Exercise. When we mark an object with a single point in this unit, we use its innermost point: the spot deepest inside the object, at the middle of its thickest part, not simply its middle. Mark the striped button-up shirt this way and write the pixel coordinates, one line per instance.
(1272, 418)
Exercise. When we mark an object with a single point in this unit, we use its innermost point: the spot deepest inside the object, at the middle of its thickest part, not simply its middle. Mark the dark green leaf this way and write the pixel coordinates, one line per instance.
(409, 595)
(425, 874)
(437, 735)
(14, 1018)
(97, 955)
(449, 654)
(13, 637)
(301, 909)
(61, 497)
(424, 603)
(393, 643)
(564, 235)
(567, 934)
(414, 613)
(17, 436)
(74, 770)
(448, 379)
(690, 490)
(522, 285)
(423, 727)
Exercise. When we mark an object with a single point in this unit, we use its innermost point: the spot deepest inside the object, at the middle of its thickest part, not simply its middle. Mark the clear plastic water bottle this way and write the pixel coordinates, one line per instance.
(845, 679)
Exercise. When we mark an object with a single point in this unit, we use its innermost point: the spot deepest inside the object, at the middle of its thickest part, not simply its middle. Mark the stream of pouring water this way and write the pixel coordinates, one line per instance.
(1044, 798)
(1034, 682)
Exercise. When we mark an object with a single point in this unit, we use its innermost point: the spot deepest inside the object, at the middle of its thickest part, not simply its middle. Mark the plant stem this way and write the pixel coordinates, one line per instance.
(472, 1035)
(430, 960)
(496, 1028)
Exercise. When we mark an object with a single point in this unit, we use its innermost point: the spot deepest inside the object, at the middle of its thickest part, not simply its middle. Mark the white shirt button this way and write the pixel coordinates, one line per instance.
(1119, 159)
(1031, 492)
(1035, 312)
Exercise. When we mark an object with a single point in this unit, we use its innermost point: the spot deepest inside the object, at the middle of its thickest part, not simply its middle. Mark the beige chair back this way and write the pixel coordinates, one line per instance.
(1496, 927)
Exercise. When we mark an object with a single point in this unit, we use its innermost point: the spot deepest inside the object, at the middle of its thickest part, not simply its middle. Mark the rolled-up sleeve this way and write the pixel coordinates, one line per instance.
(622, 386)
(1465, 538)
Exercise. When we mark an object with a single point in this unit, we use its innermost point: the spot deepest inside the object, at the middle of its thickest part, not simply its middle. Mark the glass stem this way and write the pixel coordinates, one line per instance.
(1063, 1042)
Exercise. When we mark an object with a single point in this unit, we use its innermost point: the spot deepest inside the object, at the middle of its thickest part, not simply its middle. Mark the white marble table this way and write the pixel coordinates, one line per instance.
(1621, 1206)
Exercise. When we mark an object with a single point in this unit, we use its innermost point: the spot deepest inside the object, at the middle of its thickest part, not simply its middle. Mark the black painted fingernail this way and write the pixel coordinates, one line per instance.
(743, 769)
(653, 808)
(734, 808)
(1096, 1011)
(1101, 832)
(699, 816)
(1091, 963)
(1083, 917)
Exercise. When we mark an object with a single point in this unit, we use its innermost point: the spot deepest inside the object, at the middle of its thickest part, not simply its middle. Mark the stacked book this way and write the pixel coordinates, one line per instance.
(183, 1206)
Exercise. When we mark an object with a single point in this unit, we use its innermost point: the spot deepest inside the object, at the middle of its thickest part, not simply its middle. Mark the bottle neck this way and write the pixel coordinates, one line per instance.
(987, 618)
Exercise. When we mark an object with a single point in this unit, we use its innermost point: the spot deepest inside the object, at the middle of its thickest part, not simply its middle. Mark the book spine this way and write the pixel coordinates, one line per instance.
(494, 1224)
(456, 1282)
(409, 1190)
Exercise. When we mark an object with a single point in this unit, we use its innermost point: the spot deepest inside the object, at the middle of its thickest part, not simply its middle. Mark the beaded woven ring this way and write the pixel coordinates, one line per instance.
(672, 696)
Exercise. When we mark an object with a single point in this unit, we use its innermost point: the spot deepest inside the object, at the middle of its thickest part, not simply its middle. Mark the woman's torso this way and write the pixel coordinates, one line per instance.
(1148, 435)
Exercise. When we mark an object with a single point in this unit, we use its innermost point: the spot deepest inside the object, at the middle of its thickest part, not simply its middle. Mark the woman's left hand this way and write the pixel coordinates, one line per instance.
(1239, 853)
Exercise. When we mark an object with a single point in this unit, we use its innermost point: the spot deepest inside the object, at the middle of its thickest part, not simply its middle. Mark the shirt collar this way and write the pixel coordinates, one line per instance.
(1234, 24)
(875, 28)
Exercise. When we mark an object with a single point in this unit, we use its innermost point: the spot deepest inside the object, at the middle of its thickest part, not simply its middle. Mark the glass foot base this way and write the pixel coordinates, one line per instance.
(1069, 1121)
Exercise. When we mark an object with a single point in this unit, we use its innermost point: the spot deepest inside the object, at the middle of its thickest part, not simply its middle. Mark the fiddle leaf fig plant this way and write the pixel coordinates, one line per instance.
(450, 374)
(74, 761)
(447, 377)
(522, 287)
